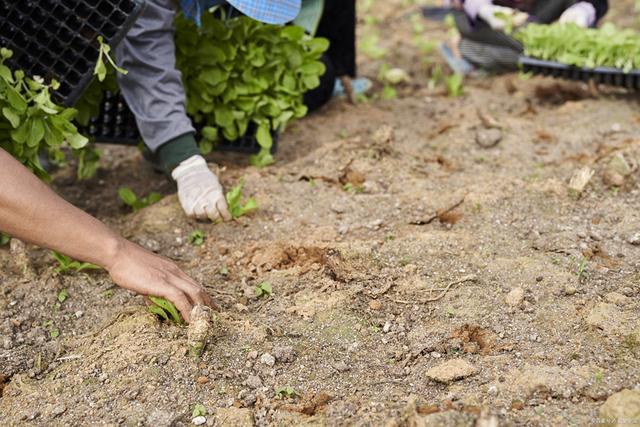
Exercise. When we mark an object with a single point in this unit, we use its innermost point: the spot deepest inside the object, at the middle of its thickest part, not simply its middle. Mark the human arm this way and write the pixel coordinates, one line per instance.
(490, 13)
(31, 211)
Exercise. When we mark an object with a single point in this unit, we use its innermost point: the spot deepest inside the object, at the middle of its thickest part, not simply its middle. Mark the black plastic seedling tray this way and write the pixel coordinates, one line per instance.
(602, 75)
(58, 39)
(116, 124)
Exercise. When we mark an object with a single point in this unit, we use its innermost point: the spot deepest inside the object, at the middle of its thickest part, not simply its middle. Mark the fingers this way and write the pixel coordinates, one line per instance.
(223, 208)
(180, 300)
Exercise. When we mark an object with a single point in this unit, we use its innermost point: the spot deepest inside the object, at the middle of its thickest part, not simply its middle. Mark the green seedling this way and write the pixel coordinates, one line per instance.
(354, 189)
(62, 296)
(570, 44)
(129, 197)
(197, 237)
(53, 331)
(165, 309)
(30, 122)
(100, 70)
(4, 239)
(454, 84)
(285, 392)
(234, 201)
(264, 289)
(199, 410)
(224, 271)
(582, 266)
(67, 264)
(108, 294)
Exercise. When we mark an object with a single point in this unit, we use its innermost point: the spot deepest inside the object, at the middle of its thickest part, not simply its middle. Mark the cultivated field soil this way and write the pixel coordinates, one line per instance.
(431, 265)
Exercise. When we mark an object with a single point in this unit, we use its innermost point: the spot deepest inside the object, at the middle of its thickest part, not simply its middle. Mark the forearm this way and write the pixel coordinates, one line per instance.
(31, 211)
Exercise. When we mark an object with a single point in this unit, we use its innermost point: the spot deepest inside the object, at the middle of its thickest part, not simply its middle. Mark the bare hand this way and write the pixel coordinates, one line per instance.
(146, 273)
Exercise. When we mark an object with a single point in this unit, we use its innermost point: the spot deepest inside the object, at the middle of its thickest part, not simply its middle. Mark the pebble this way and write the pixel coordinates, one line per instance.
(58, 410)
(386, 328)
(253, 381)
(451, 370)
(79, 314)
(252, 355)
(487, 138)
(436, 355)
(375, 305)
(570, 290)
(616, 298)
(515, 297)
(492, 390)
(634, 239)
(268, 359)
(341, 366)
(198, 421)
(284, 354)
(202, 380)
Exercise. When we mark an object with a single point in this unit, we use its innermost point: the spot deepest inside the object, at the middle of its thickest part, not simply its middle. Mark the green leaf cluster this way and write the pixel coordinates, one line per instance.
(234, 202)
(67, 264)
(31, 122)
(129, 197)
(570, 44)
(240, 74)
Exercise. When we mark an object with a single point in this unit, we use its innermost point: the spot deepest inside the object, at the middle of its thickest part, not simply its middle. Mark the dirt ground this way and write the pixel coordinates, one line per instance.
(448, 284)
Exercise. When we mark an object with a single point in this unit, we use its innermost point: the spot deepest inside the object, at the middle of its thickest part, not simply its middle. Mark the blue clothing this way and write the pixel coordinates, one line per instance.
(270, 12)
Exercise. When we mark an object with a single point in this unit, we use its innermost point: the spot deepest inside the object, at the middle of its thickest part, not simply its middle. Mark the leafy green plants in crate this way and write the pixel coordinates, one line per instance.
(240, 74)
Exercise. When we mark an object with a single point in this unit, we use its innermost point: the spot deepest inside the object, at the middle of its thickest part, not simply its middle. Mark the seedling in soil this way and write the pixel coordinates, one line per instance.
(454, 84)
(67, 264)
(165, 310)
(264, 289)
(4, 239)
(62, 296)
(581, 272)
(108, 294)
(130, 199)
(101, 67)
(53, 331)
(224, 271)
(197, 237)
(234, 200)
(199, 411)
(354, 189)
(285, 392)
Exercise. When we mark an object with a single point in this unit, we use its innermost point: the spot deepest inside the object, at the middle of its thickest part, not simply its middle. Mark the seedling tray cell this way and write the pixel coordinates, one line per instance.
(116, 124)
(602, 75)
(58, 39)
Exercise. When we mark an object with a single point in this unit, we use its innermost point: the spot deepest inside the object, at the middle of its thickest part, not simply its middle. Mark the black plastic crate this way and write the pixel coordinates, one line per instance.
(116, 124)
(58, 39)
(602, 75)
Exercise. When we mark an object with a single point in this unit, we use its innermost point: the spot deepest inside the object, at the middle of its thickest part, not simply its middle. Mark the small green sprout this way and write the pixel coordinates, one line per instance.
(234, 200)
(264, 289)
(130, 199)
(62, 296)
(66, 264)
(199, 410)
(4, 239)
(454, 84)
(285, 392)
(197, 237)
(165, 310)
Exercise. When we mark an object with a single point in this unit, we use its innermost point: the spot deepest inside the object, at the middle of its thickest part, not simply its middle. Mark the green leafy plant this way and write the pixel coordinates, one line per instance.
(101, 68)
(264, 289)
(454, 84)
(31, 122)
(62, 296)
(129, 197)
(570, 44)
(67, 264)
(199, 410)
(4, 239)
(197, 237)
(244, 76)
(164, 309)
(234, 201)
(285, 392)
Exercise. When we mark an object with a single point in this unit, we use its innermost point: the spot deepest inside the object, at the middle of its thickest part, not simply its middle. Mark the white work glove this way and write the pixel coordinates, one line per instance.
(199, 190)
(582, 14)
(490, 14)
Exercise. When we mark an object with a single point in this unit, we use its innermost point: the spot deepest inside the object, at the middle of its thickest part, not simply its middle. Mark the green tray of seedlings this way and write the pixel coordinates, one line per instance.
(606, 55)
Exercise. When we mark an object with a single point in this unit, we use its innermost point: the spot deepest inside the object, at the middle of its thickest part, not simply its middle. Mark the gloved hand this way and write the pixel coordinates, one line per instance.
(582, 14)
(199, 190)
(491, 15)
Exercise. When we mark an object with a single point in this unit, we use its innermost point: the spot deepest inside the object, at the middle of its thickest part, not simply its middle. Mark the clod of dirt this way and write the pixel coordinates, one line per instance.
(474, 339)
(604, 316)
(267, 359)
(515, 297)
(253, 381)
(634, 239)
(488, 138)
(284, 354)
(620, 165)
(237, 417)
(580, 180)
(613, 179)
(451, 370)
(198, 421)
(616, 298)
(20, 257)
(311, 405)
(199, 329)
(546, 381)
(624, 405)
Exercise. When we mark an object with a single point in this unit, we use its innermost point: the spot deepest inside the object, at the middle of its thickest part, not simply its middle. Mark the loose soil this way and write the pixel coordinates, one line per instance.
(448, 284)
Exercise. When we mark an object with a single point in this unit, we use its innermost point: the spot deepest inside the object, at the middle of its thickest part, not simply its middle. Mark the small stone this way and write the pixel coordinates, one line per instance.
(252, 355)
(515, 297)
(375, 305)
(386, 328)
(436, 355)
(623, 407)
(198, 421)
(451, 370)
(58, 410)
(570, 290)
(267, 359)
(253, 381)
(634, 239)
(627, 292)
(613, 179)
(616, 298)
(492, 390)
(580, 180)
(341, 366)
(202, 379)
(488, 138)
(539, 279)
(79, 314)
(284, 354)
